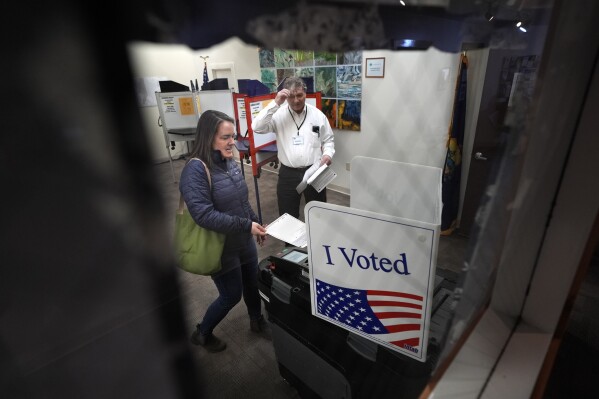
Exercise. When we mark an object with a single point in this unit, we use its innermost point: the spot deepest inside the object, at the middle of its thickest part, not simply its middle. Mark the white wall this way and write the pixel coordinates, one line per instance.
(405, 115)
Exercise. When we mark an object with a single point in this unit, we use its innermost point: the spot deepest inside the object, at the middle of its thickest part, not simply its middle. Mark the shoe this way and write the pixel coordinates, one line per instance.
(260, 326)
(210, 342)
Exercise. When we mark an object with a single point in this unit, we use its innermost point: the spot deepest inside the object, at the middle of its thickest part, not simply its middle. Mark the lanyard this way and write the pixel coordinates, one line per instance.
(300, 126)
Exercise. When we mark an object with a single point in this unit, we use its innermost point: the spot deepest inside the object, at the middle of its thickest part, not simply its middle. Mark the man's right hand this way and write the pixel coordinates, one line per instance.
(282, 96)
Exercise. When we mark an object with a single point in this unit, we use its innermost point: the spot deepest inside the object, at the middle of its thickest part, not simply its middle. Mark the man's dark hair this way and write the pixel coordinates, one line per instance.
(294, 81)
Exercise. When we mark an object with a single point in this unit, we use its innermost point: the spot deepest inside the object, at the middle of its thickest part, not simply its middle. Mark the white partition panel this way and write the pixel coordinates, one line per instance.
(396, 188)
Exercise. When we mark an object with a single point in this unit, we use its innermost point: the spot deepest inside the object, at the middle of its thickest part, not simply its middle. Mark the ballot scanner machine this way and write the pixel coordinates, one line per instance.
(320, 350)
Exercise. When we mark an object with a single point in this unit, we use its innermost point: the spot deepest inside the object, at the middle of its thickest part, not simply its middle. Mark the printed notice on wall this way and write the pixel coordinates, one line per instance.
(257, 106)
(375, 67)
(168, 105)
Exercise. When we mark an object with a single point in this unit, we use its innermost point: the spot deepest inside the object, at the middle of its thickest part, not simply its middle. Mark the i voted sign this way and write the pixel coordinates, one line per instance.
(372, 274)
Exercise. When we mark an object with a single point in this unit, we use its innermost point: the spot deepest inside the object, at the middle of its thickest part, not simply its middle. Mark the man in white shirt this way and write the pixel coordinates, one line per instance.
(304, 136)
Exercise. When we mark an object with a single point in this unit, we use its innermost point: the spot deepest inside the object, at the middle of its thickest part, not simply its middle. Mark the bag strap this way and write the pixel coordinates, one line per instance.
(181, 202)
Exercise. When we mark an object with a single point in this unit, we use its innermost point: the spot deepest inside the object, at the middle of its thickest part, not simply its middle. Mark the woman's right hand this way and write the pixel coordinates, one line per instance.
(258, 230)
(260, 233)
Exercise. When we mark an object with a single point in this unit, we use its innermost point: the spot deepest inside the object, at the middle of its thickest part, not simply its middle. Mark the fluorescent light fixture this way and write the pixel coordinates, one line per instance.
(403, 3)
(411, 44)
(521, 25)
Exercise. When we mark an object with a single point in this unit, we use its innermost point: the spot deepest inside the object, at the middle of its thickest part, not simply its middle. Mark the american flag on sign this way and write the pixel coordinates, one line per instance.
(394, 317)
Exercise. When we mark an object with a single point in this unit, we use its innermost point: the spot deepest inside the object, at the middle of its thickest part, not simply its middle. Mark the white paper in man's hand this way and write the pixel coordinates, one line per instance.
(304, 183)
(322, 177)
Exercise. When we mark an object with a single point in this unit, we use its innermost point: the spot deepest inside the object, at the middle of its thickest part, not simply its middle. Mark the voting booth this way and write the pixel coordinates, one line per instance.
(179, 113)
(259, 149)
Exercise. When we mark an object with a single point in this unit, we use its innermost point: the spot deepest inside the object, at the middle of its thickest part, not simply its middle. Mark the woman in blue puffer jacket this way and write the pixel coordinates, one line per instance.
(222, 205)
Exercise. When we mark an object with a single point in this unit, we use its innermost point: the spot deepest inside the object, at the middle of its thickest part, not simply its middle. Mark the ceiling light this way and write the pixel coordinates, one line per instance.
(411, 44)
(488, 16)
(403, 3)
(521, 23)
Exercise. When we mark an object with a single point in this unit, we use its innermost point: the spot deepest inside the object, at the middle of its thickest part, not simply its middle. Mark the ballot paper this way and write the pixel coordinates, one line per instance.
(317, 176)
(322, 177)
(289, 229)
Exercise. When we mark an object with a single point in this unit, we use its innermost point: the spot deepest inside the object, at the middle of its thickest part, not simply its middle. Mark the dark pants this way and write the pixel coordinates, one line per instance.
(287, 196)
(232, 285)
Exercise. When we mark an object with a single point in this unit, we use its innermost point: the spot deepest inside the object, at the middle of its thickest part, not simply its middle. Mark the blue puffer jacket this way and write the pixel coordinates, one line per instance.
(225, 210)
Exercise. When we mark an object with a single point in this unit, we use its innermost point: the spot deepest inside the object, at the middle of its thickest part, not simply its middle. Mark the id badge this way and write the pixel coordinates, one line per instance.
(298, 140)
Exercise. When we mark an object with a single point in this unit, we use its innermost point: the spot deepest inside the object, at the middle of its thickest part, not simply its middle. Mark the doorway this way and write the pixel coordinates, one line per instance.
(502, 70)
(225, 70)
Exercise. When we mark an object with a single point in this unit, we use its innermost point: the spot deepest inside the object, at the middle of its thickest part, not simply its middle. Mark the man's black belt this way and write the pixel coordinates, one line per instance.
(303, 169)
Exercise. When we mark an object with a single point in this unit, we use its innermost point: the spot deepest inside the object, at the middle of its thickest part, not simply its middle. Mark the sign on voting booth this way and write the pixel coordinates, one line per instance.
(372, 272)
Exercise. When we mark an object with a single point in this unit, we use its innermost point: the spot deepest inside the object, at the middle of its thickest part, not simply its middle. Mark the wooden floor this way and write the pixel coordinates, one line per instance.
(248, 367)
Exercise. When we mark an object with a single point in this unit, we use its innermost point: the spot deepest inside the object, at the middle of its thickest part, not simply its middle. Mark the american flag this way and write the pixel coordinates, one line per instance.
(394, 317)
(205, 73)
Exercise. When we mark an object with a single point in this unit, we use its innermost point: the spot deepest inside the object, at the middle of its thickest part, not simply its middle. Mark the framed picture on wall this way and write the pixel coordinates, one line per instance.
(375, 67)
